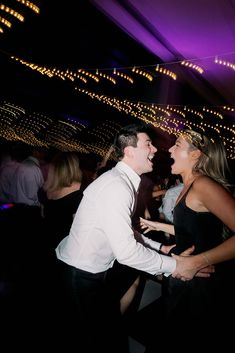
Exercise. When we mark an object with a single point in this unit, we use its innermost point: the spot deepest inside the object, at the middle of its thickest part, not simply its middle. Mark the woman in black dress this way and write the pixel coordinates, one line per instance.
(204, 208)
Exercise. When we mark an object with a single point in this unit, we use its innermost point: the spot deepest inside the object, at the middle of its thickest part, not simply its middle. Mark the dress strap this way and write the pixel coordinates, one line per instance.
(184, 193)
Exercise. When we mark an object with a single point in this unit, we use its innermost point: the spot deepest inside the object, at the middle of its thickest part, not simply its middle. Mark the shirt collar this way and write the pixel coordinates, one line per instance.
(132, 175)
(34, 159)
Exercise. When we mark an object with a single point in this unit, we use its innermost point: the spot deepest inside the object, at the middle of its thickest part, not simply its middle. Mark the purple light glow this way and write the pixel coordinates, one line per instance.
(176, 30)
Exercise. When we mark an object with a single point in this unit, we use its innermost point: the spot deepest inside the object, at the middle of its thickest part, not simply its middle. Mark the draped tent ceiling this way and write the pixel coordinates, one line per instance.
(122, 40)
(198, 31)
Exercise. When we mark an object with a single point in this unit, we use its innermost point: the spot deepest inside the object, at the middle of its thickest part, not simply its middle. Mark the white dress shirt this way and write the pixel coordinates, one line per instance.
(28, 179)
(102, 230)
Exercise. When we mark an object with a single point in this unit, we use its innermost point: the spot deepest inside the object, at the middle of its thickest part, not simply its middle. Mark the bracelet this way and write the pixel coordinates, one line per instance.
(205, 258)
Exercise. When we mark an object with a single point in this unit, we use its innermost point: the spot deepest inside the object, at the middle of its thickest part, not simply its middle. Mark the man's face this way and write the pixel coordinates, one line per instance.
(142, 155)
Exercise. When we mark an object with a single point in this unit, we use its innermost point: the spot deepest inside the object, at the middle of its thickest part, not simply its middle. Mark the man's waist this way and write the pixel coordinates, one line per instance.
(85, 273)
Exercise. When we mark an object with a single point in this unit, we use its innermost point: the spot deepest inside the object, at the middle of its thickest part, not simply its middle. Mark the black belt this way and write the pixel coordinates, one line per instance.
(86, 274)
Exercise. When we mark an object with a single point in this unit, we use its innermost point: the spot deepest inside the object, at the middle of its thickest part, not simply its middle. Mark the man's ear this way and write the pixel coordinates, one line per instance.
(128, 151)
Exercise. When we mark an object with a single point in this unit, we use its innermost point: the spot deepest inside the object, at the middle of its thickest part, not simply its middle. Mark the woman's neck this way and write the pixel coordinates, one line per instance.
(189, 178)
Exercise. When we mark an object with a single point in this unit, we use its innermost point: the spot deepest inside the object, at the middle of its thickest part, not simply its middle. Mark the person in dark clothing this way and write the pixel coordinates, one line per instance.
(62, 196)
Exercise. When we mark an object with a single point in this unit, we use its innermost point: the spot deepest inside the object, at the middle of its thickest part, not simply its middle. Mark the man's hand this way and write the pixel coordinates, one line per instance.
(188, 266)
(206, 271)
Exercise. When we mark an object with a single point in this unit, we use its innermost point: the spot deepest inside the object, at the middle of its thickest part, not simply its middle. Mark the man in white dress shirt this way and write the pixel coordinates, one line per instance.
(102, 233)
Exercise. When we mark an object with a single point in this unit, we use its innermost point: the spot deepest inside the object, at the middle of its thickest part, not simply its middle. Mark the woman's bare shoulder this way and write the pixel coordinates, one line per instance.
(204, 183)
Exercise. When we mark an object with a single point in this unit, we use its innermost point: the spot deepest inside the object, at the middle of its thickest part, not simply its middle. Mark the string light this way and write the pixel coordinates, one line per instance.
(192, 66)
(15, 14)
(30, 5)
(225, 63)
(5, 22)
(12, 12)
(142, 73)
(170, 120)
(164, 71)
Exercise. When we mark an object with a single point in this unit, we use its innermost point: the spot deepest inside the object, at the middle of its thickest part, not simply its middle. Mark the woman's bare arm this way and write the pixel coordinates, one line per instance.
(148, 225)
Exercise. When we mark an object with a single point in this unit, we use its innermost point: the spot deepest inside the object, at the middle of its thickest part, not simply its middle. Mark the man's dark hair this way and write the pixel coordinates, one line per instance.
(127, 136)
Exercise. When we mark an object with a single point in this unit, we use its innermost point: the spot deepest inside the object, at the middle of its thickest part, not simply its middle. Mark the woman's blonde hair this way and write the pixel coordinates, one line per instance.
(213, 161)
(64, 170)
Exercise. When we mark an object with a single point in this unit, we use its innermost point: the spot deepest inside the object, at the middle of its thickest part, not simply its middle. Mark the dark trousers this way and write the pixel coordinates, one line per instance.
(92, 312)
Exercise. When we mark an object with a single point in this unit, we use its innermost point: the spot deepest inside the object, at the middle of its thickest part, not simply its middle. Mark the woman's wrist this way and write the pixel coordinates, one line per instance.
(160, 247)
(200, 261)
(158, 226)
(205, 258)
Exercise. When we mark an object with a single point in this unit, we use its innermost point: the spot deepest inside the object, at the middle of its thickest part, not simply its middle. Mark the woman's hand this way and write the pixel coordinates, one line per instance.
(149, 225)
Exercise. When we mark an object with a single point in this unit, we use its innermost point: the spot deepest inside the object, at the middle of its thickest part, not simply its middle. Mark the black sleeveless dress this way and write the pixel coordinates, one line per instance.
(201, 301)
(195, 311)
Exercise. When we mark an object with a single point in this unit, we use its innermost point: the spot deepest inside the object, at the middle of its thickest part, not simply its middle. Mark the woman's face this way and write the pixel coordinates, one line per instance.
(181, 154)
